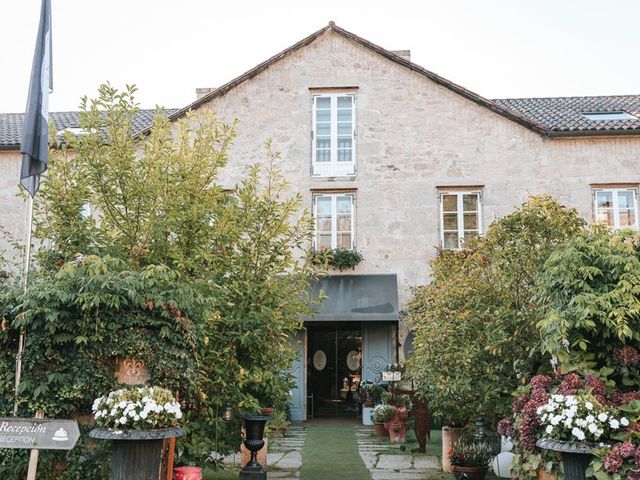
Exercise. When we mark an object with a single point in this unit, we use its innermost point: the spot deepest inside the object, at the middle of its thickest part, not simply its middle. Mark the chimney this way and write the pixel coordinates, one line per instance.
(406, 54)
(202, 91)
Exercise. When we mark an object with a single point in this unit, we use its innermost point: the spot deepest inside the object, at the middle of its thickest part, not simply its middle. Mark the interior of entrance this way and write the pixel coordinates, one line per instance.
(334, 370)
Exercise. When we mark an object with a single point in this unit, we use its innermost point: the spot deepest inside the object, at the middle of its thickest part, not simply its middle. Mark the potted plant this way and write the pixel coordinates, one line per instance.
(339, 258)
(397, 424)
(380, 415)
(136, 420)
(574, 425)
(369, 394)
(469, 458)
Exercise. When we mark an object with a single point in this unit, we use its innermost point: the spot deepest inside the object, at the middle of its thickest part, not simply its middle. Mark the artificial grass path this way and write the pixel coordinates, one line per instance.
(331, 452)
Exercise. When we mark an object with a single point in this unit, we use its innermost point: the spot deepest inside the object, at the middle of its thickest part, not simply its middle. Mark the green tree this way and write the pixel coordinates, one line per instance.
(475, 323)
(592, 291)
(210, 284)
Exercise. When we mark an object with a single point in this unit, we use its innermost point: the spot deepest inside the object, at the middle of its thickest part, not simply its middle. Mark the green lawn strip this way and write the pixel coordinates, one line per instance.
(208, 474)
(331, 451)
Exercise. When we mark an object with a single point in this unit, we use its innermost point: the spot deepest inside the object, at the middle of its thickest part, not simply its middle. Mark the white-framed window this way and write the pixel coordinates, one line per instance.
(616, 207)
(460, 217)
(333, 136)
(334, 215)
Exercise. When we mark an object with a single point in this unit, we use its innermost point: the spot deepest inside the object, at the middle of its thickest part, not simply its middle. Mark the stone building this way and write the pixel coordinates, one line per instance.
(396, 161)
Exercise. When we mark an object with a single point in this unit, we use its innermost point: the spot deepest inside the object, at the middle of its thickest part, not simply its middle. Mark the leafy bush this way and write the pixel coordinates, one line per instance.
(469, 452)
(476, 338)
(592, 290)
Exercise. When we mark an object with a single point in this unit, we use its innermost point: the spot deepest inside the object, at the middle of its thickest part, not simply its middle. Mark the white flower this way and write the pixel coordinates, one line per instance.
(143, 414)
(588, 405)
(590, 419)
(602, 417)
(549, 429)
(614, 424)
(123, 420)
(592, 428)
(624, 422)
(579, 434)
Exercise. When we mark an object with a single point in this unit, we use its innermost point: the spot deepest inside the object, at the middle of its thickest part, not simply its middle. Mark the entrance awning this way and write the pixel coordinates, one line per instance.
(361, 298)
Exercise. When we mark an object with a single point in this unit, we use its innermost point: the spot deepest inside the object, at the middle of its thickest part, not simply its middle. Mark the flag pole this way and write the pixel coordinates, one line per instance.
(24, 282)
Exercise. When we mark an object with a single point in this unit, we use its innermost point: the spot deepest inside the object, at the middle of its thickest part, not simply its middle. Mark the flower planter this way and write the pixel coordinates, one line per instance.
(576, 457)
(136, 454)
(470, 473)
(366, 415)
(450, 436)
(397, 432)
(379, 430)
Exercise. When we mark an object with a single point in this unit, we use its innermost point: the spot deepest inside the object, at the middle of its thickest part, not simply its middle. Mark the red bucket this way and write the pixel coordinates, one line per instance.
(187, 473)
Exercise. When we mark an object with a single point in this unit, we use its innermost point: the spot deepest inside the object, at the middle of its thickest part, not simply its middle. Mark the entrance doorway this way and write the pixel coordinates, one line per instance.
(334, 370)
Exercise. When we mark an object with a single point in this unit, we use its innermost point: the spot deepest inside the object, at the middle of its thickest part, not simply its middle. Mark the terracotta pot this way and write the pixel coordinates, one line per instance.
(187, 473)
(267, 410)
(472, 473)
(450, 436)
(379, 430)
(397, 432)
(542, 475)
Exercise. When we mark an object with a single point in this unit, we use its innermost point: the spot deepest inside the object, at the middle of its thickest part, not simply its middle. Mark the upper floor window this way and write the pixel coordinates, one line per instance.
(460, 217)
(334, 225)
(617, 207)
(333, 135)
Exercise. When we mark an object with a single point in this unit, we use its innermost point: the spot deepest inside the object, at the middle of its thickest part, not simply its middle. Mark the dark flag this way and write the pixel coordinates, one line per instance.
(35, 130)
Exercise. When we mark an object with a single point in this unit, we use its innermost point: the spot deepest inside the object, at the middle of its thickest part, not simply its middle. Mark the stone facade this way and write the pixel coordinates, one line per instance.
(413, 136)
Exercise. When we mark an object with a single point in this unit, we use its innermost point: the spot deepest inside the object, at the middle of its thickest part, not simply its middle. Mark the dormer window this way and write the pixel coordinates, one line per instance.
(602, 116)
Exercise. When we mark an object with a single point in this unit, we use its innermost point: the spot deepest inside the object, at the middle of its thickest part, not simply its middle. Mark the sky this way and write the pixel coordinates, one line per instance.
(497, 48)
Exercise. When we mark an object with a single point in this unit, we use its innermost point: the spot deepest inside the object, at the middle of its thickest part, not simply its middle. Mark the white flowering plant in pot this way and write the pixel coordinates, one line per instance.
(579, 418)
(137, 408)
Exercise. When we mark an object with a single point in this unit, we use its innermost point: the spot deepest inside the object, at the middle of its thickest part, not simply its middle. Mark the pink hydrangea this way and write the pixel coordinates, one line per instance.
(612, 461)
(505, 427)
(625, 449)
(570, 384)
(627, 356)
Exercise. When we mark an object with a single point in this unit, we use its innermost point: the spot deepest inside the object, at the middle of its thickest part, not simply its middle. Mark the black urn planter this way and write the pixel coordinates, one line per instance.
(254, 441)
(136, 454)
(576, 457)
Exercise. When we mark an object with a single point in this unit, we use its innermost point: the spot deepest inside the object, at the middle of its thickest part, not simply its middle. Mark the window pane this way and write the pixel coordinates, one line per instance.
(604, 199)
(605, 215)
(470, 221)
(450, 240)
(323, 102)
(345, 155)
(344, 102)
(323, 155)
(625, 199)
(323, 205)
(345, 142)
(345, 128)
(450, 203)
(627, 218)
(344, 204)
(323, 242)
(450, 221)
(324, 223)
(470, 203)
(469, 234)
(345, 115)
(344, 240)
(344, 223)
(323, 129)
(323, 116)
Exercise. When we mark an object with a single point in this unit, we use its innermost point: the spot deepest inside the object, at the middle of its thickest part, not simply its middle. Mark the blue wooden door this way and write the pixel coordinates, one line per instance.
(377, 350)
(297, 403)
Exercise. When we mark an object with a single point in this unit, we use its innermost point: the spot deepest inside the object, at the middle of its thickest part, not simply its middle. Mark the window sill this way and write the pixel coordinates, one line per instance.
(337, 178)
